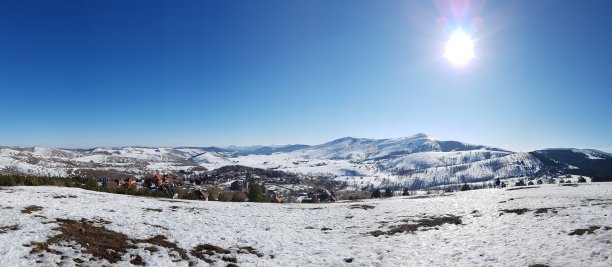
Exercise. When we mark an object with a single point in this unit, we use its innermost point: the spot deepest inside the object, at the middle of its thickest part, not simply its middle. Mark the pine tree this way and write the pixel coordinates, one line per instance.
(255, 193)
(388, 192)
(376, 193)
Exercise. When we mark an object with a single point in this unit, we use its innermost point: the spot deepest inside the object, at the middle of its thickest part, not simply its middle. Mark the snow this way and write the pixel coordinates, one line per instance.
(591, 153)
(292, 232)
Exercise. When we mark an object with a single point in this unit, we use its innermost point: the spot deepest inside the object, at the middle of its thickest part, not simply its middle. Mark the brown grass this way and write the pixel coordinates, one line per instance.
(31, 208)
(423, 224)
(160, 240)
(365, 207)
(97, 241)
(6, 229)
(250, 250)
(589, 230)
(149, 209)
(102, 243)
(521, 187)
(515, 211)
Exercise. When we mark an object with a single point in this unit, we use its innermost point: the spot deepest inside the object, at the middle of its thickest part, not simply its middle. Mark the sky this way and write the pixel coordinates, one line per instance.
(79, 74)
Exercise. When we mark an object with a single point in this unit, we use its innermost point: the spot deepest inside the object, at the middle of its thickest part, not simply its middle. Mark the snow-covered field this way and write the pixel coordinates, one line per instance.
(491, 227)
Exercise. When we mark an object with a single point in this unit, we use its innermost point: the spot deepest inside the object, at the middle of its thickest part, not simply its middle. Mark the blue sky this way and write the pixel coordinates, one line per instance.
(176, 73)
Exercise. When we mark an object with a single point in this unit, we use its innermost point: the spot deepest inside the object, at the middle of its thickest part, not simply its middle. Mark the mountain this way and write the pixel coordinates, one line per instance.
(587, 162)
(415, 161)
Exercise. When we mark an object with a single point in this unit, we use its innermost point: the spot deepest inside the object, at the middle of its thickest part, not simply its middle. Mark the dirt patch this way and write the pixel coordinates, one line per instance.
(521, 187)
(545, 210)
(326, 229)
(172, 201)
(427, 196)
(207, 252)
(97, 241)
(348, 260)
(211, 253)
(100, 242)
(572, 185)
(249, 250)
(160, 240)
(589, 230)
(69, 196)
(151, 249)
(137, 261)
(363, 206)
(6, 229)
(423, 224)
(504, 201)
(538, 265)
(515, 211)
(31, 208)
(149, 209)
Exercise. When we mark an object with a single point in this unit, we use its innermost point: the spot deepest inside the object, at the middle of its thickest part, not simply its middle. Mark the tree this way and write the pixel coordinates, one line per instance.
(238, 197)
(465, 187)
(388, 192)
(224, 196)
(406, 192)
(255, 193)
(376, 193)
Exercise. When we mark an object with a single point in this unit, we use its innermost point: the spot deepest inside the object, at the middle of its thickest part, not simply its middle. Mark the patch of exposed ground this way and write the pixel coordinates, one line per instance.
(537, 211)
(521, 187)
(211, 253)
(137, 260)
(589, 230)
(31, 208)
(428, 196)
(208, 252)
(424, 224)
(150, 209)
(362, 206)
(8, 228)
(546, 210)
(572, 185)
(97, 241)
(160, 240)
(92, 238)
(249, 250)
(68, 196)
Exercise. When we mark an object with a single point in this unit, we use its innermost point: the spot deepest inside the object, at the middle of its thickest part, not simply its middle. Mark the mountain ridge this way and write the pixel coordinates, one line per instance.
(405, 160)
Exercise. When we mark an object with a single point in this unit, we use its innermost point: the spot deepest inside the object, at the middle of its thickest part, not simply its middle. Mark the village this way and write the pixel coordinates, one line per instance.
(230, 183)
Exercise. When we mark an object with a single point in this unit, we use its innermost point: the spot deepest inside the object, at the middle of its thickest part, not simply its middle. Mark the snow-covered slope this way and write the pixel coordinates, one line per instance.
(404, 161)
(550, 225)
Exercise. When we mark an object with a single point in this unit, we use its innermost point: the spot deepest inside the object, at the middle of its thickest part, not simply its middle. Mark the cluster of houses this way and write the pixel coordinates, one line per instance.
(232, 179)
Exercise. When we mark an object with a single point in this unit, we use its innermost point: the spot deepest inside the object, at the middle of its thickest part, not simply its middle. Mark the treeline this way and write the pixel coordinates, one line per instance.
(79, 182)
(254, 194)
(19, 180)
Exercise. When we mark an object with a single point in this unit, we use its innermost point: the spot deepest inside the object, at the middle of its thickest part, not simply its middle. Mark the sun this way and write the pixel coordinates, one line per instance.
(459, 49)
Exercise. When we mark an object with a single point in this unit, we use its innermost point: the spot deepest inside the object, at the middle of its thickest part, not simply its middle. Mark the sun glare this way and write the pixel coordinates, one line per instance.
(459, 49)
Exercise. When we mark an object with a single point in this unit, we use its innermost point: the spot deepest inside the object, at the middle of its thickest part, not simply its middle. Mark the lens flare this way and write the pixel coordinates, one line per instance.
(459, 49)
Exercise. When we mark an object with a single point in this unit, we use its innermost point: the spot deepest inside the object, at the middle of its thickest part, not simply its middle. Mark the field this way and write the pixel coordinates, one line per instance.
(553, 225)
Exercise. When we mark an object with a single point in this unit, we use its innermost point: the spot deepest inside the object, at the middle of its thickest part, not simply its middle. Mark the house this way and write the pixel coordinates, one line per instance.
(239, 185)
(110, 183)
(158, 179)
(128, 183)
